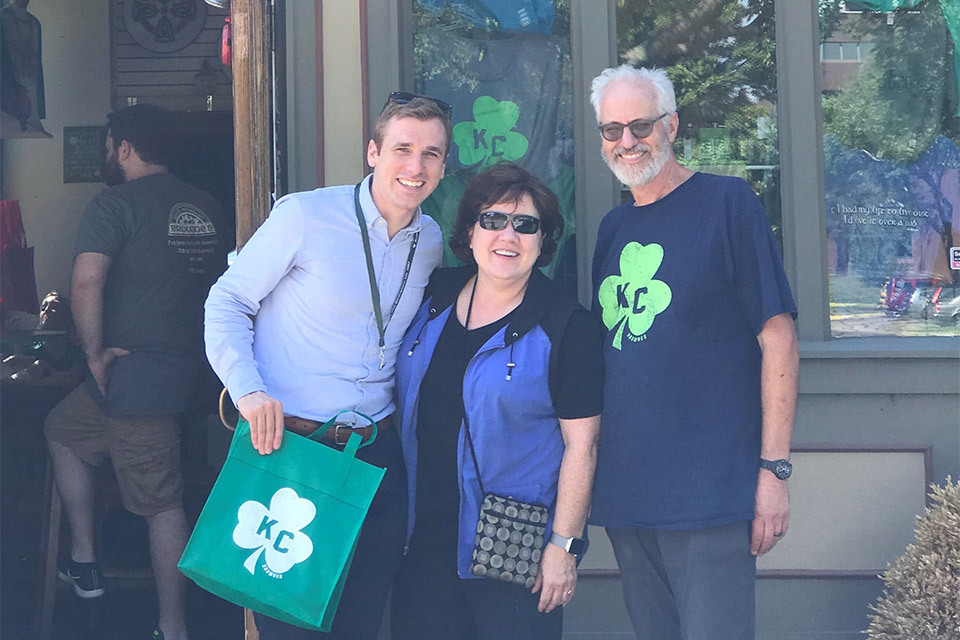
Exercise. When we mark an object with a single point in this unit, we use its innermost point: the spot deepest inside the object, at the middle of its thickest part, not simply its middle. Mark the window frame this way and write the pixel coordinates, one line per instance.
(800, 126)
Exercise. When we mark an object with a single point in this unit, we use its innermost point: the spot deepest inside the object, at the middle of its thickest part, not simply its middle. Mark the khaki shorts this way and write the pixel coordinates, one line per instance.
(145, 450)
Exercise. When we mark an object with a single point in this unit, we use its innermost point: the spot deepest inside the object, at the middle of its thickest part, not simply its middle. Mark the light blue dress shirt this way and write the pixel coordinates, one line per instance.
(293, 315)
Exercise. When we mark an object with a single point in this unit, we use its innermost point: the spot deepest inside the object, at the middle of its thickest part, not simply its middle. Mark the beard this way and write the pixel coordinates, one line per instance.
(637, 176)
(112, 172)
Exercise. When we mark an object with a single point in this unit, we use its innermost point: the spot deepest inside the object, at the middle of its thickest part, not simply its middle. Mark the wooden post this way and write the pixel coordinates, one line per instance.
(250, 626)
(252, 90)
(251, 41)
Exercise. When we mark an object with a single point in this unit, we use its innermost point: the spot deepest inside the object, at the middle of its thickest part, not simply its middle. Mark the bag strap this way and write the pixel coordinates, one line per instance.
(374, 290)
(466, 422)
(354, 442)
(321, 431)
(473, 454)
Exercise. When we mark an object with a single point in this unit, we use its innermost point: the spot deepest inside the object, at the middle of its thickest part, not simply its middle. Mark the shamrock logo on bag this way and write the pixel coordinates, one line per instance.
(489, 139)
(275, 532)
(631, 301)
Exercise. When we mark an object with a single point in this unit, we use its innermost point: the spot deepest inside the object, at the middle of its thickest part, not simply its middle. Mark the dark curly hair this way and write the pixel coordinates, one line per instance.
(506, 182)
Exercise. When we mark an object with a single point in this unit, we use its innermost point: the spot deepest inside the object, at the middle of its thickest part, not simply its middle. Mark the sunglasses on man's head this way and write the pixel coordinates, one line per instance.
(404, 97)
(640, 128)
(497, 221)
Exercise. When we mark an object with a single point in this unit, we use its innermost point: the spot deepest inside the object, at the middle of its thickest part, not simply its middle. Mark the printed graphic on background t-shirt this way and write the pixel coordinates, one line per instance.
(512, 96)
(632, 300)
(488, 139)
(190, 232)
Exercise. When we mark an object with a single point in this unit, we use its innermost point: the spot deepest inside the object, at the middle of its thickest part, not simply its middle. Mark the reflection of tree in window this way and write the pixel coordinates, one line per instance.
(899, 101)
(891, 160)
(720, 55)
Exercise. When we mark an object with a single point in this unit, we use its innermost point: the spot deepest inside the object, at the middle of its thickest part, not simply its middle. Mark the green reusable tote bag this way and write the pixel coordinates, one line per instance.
(278, 532)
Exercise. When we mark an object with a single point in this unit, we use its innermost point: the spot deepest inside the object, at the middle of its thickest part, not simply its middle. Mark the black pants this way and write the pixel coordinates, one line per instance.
(430, 602)
(377, 558)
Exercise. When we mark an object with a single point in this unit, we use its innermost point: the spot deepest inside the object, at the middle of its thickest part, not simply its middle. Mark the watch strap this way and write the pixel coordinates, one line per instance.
(774, 467)
(573, 546)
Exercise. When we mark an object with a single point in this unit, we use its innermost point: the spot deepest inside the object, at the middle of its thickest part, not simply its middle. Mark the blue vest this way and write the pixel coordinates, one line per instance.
(513, 423)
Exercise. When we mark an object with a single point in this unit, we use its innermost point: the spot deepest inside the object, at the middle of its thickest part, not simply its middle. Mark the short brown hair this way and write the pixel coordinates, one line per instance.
(421, 108)
(506, 182)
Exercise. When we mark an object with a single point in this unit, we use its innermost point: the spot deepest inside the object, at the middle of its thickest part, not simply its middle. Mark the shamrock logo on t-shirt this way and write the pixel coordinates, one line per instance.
(489, 139)
(632, 299)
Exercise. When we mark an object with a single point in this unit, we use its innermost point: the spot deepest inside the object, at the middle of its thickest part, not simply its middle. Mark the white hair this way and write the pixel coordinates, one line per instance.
(666, 98)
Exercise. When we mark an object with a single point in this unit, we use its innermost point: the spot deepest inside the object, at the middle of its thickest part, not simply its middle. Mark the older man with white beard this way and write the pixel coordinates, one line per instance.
(701, 374)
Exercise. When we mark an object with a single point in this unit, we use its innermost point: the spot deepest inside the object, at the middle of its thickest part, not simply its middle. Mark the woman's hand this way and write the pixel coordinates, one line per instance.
(557, 578)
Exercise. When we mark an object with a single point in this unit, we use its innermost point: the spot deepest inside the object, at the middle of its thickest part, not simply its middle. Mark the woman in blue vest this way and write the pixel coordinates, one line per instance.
(499, 350)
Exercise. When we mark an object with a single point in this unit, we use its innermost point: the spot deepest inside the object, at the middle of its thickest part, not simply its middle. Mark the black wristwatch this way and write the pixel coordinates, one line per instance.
(575, 546)
(780, 468)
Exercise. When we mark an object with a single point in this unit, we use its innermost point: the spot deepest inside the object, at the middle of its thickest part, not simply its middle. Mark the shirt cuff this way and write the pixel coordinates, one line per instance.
(243, 382)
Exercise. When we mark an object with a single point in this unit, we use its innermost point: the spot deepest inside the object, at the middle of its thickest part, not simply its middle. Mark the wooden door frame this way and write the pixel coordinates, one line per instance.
(252, 44)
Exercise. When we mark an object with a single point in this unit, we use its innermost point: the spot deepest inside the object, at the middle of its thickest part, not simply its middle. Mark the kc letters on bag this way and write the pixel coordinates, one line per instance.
(275, 533)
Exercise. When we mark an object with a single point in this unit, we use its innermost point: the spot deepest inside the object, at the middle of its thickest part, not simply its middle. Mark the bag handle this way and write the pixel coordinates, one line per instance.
(336, 468)
(321, 431)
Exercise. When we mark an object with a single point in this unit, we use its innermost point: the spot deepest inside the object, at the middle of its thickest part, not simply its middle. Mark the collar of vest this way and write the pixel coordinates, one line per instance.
(446, 284)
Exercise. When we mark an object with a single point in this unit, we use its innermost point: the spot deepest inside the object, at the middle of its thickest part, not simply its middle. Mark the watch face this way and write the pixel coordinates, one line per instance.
(577, 546)
(783, 470)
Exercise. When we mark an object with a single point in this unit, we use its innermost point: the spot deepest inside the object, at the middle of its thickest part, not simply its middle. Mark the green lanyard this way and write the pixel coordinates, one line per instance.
(374, 291)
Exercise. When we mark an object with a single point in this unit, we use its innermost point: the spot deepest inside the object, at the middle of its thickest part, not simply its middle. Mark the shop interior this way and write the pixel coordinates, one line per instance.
(64, 69)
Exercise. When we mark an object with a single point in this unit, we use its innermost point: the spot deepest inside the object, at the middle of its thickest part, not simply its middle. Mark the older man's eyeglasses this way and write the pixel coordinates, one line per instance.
(497, 221)
(639, 128)
(404, 97)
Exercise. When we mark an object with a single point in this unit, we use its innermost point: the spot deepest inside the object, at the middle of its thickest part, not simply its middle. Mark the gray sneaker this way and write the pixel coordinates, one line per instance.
(84, 576)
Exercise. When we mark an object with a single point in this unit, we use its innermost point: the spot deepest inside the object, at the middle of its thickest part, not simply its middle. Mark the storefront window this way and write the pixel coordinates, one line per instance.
(505, 68)
(720, 57)
(891, 161)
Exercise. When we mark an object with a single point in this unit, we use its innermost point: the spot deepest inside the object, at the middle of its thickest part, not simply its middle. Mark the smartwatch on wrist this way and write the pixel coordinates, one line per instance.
(780, 468)
(574, 546)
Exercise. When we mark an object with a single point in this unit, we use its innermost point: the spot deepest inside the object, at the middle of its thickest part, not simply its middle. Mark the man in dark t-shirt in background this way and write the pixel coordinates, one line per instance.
(701, 375)
(148, 249)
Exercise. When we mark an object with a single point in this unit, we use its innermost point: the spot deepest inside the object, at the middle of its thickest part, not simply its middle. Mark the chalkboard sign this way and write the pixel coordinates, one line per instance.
(83, 154)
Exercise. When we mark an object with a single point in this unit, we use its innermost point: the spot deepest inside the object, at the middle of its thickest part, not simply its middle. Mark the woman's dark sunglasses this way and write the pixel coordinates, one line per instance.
(497, 221)
(640, 128)
(403, 97)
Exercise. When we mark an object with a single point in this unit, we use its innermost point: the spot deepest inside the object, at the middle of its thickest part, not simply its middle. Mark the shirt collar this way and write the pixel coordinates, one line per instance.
(371, 214)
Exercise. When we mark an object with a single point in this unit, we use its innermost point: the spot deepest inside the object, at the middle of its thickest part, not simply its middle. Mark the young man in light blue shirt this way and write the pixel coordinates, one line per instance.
(292, 332)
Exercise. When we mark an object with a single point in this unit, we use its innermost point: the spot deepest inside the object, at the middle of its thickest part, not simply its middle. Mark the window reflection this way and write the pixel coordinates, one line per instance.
(505, 68)
(891, 161)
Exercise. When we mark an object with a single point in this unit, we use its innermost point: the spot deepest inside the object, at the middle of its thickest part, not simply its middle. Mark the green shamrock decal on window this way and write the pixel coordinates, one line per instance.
(632, 300)
(489, 139)
(275, 532)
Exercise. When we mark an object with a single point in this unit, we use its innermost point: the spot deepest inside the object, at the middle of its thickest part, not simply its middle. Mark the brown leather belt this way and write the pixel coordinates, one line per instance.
(337, 434)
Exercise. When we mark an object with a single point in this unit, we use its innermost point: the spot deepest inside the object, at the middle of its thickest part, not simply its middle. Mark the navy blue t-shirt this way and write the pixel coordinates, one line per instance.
(684, 285)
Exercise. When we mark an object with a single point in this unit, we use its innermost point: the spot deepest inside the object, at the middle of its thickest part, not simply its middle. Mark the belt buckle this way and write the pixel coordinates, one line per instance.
(336, 433)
